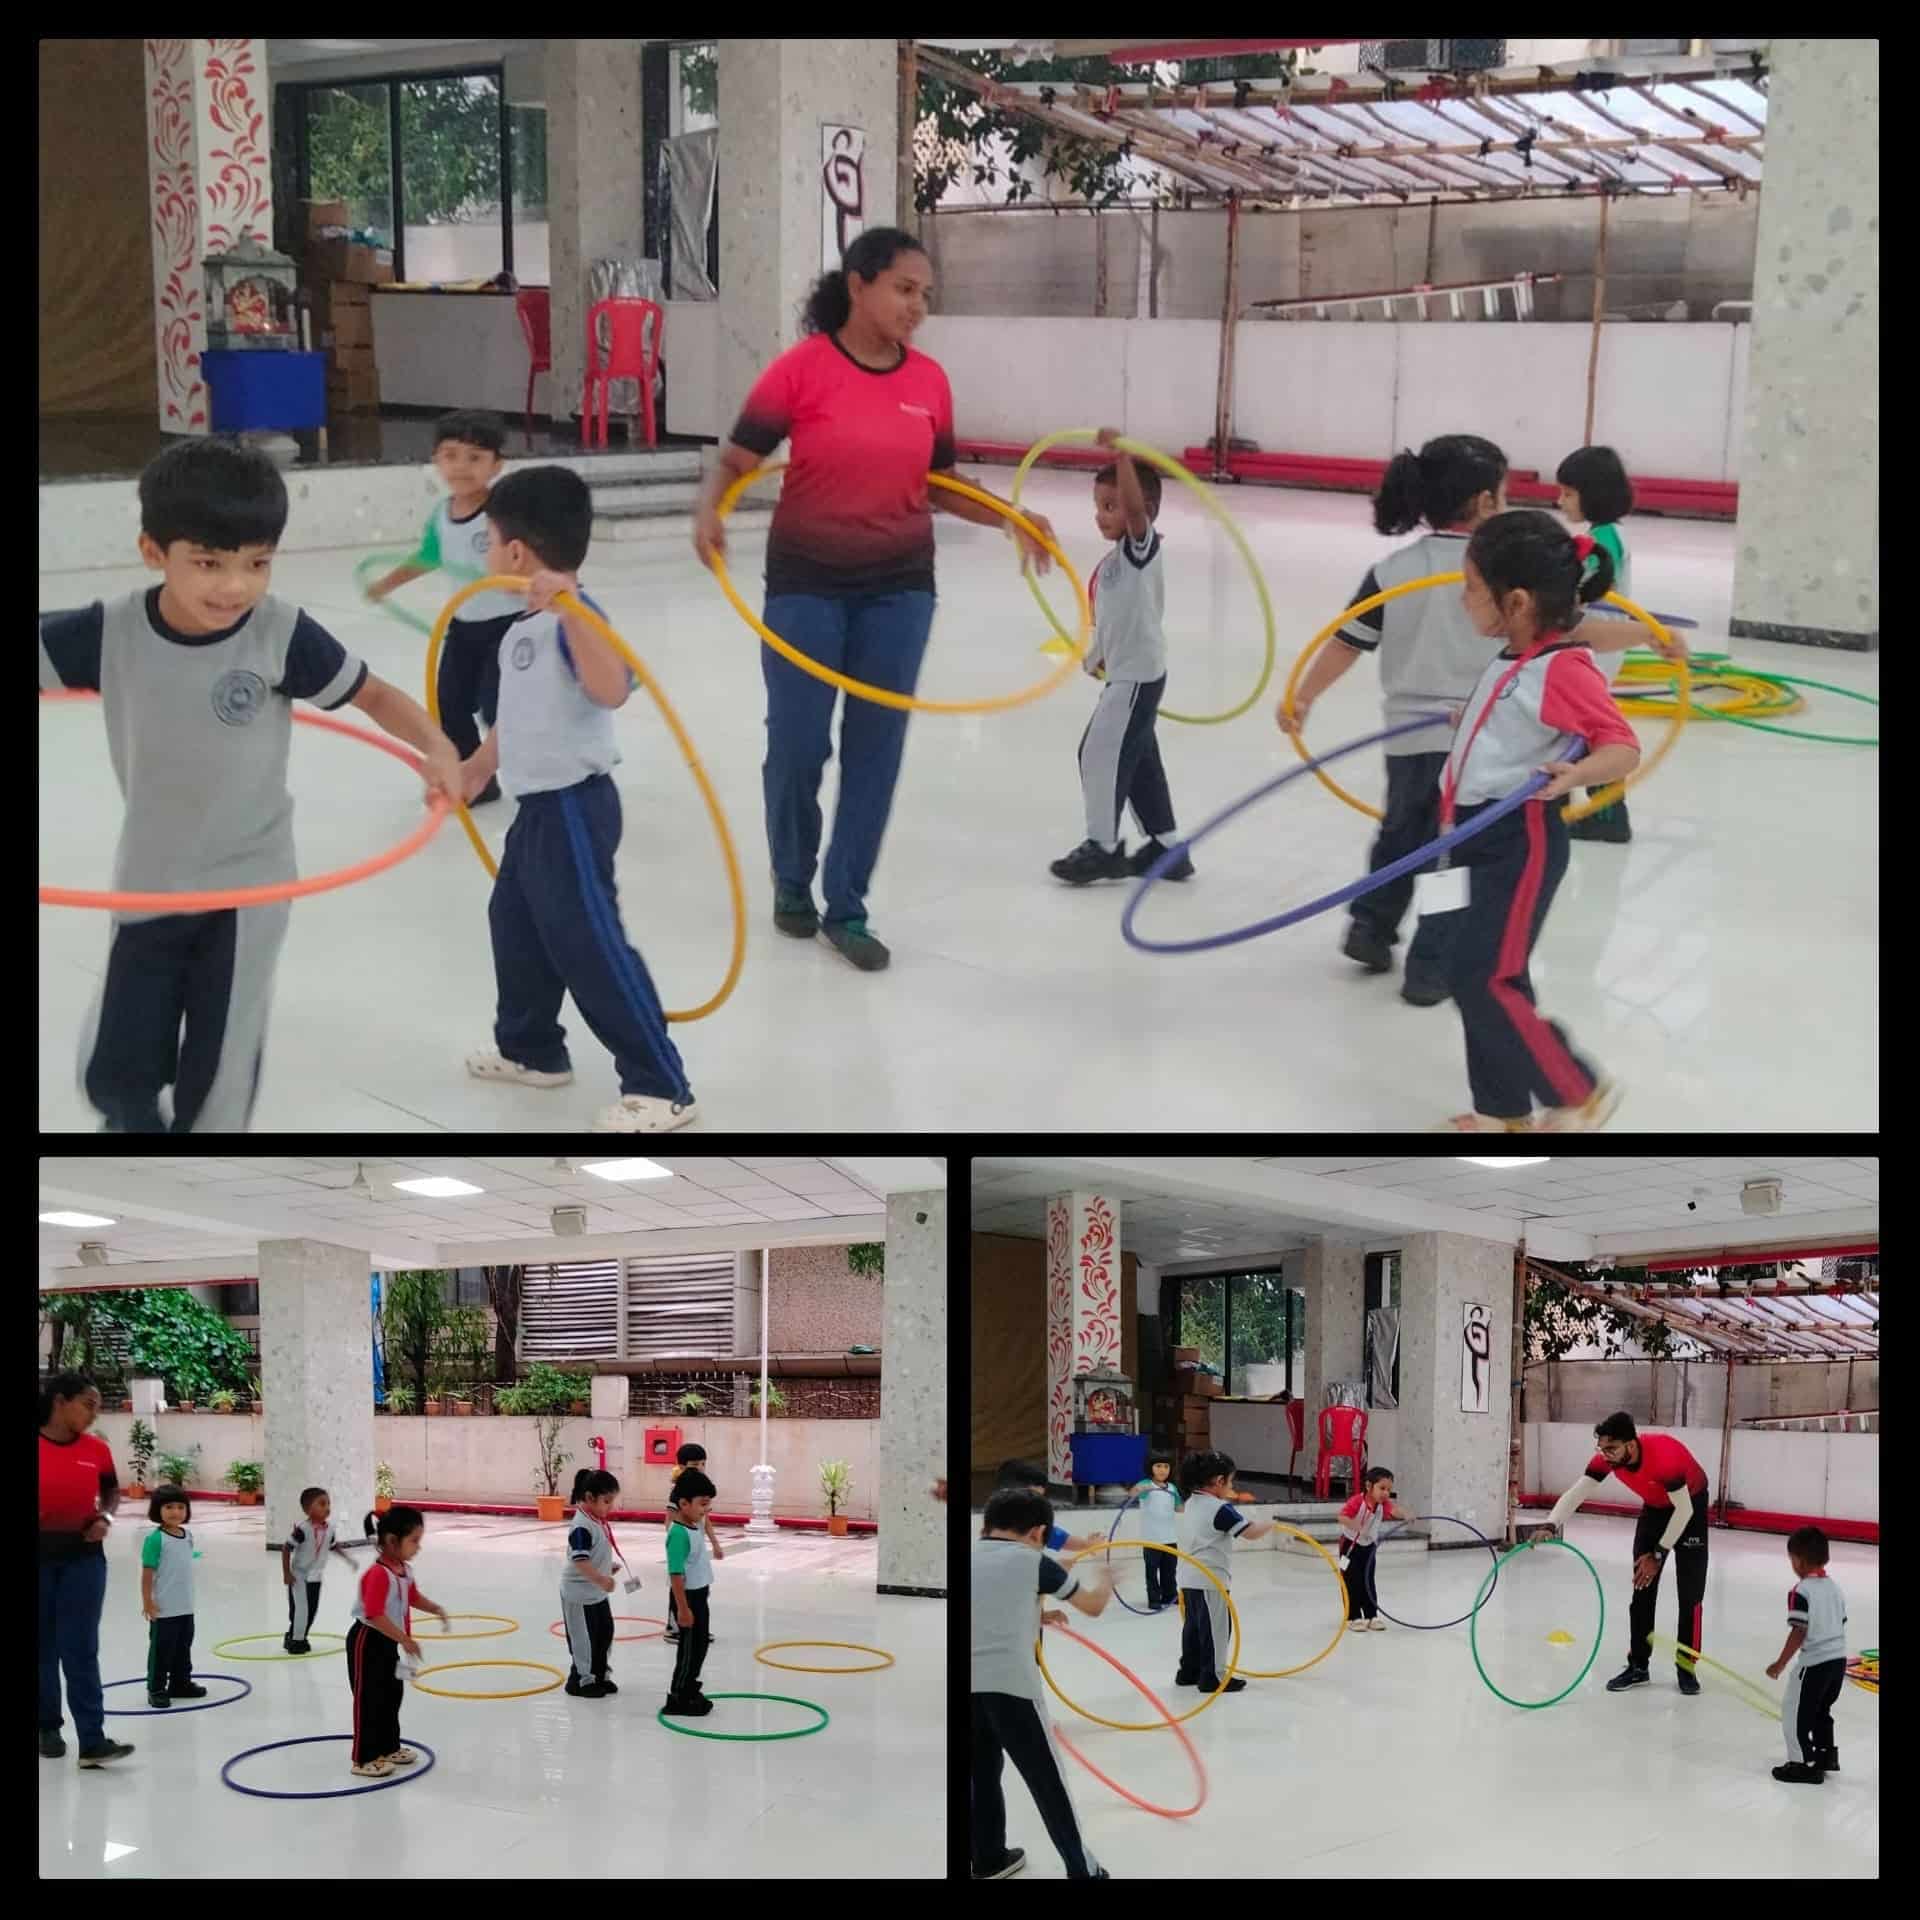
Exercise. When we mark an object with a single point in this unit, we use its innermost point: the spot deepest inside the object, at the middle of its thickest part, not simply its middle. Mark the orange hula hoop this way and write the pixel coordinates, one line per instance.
(215, 899)
(1133, 1799)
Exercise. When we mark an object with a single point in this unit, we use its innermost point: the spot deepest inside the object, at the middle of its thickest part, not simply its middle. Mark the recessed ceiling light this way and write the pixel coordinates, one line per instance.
(1468, 1160)
(74, 1220)
(437, 1188)
(626, 1169)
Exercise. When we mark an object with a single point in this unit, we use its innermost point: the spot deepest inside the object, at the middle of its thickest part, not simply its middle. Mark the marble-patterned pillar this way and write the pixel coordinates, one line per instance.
(596, 192)
(913, 1397)
(775, 96)
(1333, 1278)
(210, 181)
(1083, 1309)
(316, 1372)
(1449, 1458)
(1807, 557)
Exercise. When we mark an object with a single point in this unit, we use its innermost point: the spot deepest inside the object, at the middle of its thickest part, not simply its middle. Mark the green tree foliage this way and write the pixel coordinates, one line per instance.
(166, 1332)
(1260, 1331)
(413, 1315)
(1558, 1320)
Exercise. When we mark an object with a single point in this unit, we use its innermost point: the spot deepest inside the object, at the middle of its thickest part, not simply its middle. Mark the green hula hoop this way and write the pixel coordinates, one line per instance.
(700, 1733)
(386, 562)
(1792, 733)
(1165, 463)
(1473, 1629)
(240, 1639)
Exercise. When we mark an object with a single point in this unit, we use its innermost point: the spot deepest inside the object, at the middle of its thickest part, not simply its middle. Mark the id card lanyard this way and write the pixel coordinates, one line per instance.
(1449, 779)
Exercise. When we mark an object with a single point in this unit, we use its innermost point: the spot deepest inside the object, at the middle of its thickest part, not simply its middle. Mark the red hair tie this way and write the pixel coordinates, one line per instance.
(1583, 545)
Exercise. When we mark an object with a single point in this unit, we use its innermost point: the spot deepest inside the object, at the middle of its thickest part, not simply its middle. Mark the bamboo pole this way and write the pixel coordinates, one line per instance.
(1229, 321)
(1599, 302)
(1726, 1444)
(1153, 263)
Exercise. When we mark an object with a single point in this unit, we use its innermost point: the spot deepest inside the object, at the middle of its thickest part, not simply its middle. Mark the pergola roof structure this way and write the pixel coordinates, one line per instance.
(1677, 125)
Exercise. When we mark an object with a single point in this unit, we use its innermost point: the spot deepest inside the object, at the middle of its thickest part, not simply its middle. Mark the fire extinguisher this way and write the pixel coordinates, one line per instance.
(600, 1448)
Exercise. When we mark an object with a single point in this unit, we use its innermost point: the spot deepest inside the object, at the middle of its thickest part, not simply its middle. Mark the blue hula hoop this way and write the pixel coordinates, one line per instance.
(328, 1793)
(1146, 1613)
(1373, 1585)
(1339, 897)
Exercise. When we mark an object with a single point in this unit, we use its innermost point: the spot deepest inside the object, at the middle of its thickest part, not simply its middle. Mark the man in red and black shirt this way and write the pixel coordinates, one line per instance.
(1674, 1520)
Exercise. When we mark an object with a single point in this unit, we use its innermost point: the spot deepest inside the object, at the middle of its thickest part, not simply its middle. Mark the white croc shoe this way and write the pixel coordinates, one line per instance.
(491, 1064)
(641, 1113)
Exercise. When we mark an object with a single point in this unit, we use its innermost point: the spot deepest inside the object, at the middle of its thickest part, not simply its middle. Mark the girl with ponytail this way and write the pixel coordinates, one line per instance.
(587, 1579)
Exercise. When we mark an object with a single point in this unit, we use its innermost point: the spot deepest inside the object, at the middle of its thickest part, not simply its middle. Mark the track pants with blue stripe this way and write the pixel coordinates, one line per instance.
(555, 918)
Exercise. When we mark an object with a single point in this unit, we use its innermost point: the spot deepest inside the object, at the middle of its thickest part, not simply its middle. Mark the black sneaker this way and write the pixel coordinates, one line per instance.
(1090, 861)
(52, 1747)
(189, 1692)
(487, 794)
(1366, 946)
(159, 1700)
(1424, 993)
(794, 913)
(1628, 1676)
(607, 1686)
(1688, 1682)
(1235, 1685)
(851, 940)
(693, 1706)
(1182, 869)
(1828, 1759)
(105, 1751)
(591, 1690)
(1609, 824)
(1794, 1773)
(573, 1683)
(1015, 1860)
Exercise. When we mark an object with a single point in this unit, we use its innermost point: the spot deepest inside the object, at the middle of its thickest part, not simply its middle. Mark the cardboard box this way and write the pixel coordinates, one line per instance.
(1186, 1356)
(353, 392)
(325, 213)
(1210, 1386)
(345, 293)
(350, 327)
(328, 260)
(350, 360)
(372, 265)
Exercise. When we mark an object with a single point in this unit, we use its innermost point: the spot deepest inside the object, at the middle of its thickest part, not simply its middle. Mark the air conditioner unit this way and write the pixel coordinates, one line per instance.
(1760, 1196)
(569, 1220)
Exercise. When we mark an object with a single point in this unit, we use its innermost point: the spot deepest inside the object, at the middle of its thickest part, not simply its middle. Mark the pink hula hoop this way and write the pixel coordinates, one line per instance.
(1133, 1799)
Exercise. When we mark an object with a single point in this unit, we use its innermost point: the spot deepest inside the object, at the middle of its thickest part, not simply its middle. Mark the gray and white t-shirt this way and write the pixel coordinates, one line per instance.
(458, 548)
(1817, 1604)
(588, 1544)
(1208, 1527)
(1129, 594)
(553, 734)
(170, 1556)
(1010, 1580)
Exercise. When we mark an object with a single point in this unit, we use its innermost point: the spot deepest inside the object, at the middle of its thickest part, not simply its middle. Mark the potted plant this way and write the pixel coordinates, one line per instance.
(224, 1401)
(259, 1399)
(692, 1402)
(400, 1399)
(462, 1403)
(382, 1487)
(836, 1480)
(436, 1391)
(140, 1446)
(776, 1400)
(553, 1462)
(185, 1403)
(246, 1477)
(515, 1399)
(176, 1469)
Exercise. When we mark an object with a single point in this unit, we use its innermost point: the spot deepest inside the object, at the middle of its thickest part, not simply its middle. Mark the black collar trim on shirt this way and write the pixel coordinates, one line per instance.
(166, 632)
(1553, 646)
(878, 372)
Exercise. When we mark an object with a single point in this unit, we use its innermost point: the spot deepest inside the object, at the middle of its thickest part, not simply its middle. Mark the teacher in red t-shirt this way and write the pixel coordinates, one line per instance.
(849, 565)
(78, 1493)
(1673, 1484)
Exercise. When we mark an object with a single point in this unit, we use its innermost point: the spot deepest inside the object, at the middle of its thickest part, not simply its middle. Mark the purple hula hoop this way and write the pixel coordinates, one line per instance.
(327, 1793)
(1354, 888)
(1373, 1585)
(1133, 1500)
(245, 1686)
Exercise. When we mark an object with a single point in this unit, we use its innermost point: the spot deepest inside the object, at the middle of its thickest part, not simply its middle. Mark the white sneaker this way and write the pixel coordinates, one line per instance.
(373, 1769)
(642, 1113)
(1377, 1625)
(491, 1064)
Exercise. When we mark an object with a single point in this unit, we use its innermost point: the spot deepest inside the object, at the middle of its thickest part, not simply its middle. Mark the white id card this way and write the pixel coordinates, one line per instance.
(1442, 892)
(633, 1584)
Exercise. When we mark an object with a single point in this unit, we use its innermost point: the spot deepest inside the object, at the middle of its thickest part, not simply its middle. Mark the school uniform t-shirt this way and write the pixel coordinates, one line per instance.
(1208, 1530)
(76, 1476)
(1817, 1604)
(1363, 1521)
(171, 1560)
(385, 1592)
(1609, 536)
(853, 515)
(552, 732)
(687, 1555)
(1129, 593)
(307, 1548)
(589, 1544)
(1159, 1510)
(1558, 693)
(1009, 1582)
(458, 548)
(1665, 1464)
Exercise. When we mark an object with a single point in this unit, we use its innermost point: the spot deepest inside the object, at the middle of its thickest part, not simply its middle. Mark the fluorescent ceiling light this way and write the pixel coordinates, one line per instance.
(626, 1169)
(437, 1188)
(74, 1220)
(1468, 1159)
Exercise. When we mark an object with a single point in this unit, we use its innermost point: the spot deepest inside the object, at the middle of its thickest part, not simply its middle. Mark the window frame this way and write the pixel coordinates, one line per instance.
(1295, 1305)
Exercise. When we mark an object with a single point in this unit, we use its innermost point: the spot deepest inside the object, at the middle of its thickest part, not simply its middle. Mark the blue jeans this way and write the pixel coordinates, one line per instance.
(72, 1592)
(877, 637)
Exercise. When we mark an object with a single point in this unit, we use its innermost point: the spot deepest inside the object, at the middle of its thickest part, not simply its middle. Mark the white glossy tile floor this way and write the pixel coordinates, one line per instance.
(1724, 966)
(530, 1788)
(1391, 1758)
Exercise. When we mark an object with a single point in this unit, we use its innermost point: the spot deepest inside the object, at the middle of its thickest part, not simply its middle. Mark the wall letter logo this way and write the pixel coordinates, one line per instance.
(238, 697)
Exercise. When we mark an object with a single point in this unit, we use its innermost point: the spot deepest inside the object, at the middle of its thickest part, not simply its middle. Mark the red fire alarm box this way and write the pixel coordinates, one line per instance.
(662, 1444)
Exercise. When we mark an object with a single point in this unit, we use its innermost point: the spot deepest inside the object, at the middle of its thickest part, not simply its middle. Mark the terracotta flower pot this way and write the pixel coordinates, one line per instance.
(836, 1523)
(136, 1492)
(246, 1499)
(433, 1406)
(381, 1503)
(576, 1406)
(463, 1407)
(553, 1506)
(185, 1406)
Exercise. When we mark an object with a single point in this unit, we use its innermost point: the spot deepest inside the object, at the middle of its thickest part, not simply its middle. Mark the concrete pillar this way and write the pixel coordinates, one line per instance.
(1083, 1308)
(913, 1397)
(1446, 1459)
(1332, 1277)
(774, 98)
(1807, 566)
(595, 189)
(316, 1371)
(210, 178)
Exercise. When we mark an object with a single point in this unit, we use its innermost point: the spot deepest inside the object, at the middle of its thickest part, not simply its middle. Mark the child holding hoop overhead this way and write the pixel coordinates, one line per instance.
(1013, 1578)
(586, 1581)
(1525, 579)
(1212, 1522)
(382, 1630)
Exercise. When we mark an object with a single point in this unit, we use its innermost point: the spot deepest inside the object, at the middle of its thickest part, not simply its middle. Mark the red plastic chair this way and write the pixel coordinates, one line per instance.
(1297, 1425)
(629, 357)
(530, 303)
(1343, 1436)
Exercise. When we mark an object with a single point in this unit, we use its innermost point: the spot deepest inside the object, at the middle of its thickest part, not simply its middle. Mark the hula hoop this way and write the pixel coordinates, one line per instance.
(1486, 1586)
(213, 900)
(328, 1793)
(132, 1713)
(852, 1646)
(1179, 1732)
(388, 561)
(885, 696)
(701, 1733)
(492, 1633)
(1165, 463)
(580, 610)
(1602, 797)
(1340, 1595)
(1796, 733)
(560, 1627)
(1374, 1587)
(1755, 1696)
(1351, 891)
(1753, 692)
(1132, 1500)
(518, 1693)
(240, 1639)
(1226, 1672)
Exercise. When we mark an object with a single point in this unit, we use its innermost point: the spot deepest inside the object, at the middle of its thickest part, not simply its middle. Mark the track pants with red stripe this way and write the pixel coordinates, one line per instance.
(373, 1671)
(1690, 1570)
(1514, 1055)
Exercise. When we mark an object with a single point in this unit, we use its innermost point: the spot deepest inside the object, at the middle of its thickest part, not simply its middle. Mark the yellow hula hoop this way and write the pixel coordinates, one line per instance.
(1226, 1672)
(1166, 464)
(1751, 693)
(491, 1633)
(1603, 797)
(1340, 1589)
(1754, 1695)
(852, 1646)
(517, 583)
(519, 1693)
(885, 696)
